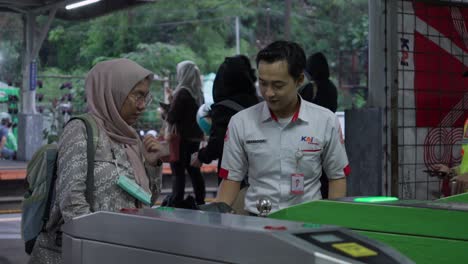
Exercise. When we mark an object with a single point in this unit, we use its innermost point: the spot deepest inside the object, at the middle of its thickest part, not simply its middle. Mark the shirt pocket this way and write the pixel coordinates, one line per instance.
(310, 163)
(259, 157)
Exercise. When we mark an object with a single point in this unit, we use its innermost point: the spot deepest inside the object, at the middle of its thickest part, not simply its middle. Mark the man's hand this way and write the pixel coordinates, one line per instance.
(337, 188)
(228, 191)
(217, 207)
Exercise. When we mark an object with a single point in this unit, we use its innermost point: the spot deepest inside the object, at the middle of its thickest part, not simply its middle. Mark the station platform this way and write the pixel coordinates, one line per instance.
(13, 174)
(12, 170)
(11, 244)
(16, 170)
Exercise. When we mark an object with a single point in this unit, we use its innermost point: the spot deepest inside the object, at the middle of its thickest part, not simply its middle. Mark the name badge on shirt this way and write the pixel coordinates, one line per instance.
(255, 141)
(297, 183)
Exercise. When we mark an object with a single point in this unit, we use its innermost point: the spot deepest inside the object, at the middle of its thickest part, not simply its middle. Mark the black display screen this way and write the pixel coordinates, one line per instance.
(326, 238)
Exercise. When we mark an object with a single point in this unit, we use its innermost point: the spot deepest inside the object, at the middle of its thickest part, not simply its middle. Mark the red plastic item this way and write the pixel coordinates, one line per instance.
(129, 210)
(268, 227)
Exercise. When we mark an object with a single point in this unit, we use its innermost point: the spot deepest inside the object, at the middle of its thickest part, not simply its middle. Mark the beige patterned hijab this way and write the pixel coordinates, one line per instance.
(107, 86)
(189, 78)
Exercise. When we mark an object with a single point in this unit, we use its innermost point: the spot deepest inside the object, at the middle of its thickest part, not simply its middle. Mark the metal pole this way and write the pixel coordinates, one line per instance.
(268, 24)
(392, 73)
(377, 86)
(287, 20)
(27, 102)
(29, 122)
(237, 36)
(376, 68)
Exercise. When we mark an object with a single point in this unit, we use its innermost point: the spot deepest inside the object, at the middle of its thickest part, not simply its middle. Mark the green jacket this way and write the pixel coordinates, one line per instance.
(11, 142)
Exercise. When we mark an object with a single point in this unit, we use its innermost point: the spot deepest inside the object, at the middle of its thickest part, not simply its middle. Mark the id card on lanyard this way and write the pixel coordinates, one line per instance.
(297, 179)
(297, 183)
(130, 186)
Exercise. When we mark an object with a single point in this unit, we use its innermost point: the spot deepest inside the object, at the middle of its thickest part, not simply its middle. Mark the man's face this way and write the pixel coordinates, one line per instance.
(278, 87)
(135, 104)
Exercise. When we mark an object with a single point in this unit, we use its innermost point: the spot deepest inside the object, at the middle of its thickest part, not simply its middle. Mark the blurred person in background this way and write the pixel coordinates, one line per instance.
(235, 80)
(184, 103)
(459, 173)
(320, 91)
(8, 143)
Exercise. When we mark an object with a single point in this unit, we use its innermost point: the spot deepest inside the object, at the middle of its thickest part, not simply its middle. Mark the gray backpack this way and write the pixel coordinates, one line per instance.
(41, 174)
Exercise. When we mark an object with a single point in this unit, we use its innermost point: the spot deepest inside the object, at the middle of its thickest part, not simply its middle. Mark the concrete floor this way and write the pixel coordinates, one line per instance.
(11, 244)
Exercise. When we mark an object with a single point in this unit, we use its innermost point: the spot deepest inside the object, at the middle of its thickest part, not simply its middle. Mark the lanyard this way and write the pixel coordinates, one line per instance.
(114, 158)
(121, 178)
(298, 155)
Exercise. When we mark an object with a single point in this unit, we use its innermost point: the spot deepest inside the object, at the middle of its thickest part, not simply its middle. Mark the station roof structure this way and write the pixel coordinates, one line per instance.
(86, 12)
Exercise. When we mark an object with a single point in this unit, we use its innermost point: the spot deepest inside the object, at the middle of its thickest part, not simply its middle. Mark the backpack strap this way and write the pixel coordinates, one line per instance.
(299, 91)
(51, 157)
(91, 145)
(231, 105)
(314, 91)
(90, 123)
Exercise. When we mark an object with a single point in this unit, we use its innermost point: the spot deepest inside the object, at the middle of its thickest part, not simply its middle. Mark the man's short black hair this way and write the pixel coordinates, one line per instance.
(289, 51)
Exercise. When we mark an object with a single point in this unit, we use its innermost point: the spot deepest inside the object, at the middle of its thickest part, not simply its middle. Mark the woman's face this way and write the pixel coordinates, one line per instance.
(136, 101)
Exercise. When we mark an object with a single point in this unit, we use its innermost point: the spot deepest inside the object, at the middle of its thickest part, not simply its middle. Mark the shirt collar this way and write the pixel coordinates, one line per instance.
(268, 115)
(301, 112)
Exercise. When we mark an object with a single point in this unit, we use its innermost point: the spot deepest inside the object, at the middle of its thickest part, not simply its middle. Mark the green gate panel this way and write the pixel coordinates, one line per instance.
(426, 235)
(424, 249)
(459, 198)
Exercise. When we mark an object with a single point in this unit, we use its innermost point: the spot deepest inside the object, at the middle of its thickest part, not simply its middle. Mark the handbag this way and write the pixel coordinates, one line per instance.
(172, 138)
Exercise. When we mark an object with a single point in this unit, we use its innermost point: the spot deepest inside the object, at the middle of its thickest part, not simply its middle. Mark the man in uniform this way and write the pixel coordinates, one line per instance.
(282, 141)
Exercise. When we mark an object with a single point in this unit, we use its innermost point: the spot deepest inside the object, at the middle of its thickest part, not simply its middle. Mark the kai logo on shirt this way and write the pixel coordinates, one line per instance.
(309, 140)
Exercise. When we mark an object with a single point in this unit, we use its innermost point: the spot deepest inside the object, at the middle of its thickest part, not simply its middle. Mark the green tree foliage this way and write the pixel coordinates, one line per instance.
(161, 34)
(162, 58)
(10, 62)
(10, 48)
(207, 28)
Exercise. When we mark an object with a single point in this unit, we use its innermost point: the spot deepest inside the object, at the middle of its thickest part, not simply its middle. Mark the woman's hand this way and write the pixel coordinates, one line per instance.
(170, 94)
(462, 183)
(194, 161)
(442, 168)
(152, 150)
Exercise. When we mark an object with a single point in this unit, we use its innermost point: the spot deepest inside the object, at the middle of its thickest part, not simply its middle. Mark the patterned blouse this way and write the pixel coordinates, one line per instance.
(70, 186)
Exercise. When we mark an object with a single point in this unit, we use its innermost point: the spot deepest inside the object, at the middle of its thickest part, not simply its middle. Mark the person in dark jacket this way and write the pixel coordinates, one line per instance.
(320, 91)
(235, 80)
(325, 93)
(187, 98)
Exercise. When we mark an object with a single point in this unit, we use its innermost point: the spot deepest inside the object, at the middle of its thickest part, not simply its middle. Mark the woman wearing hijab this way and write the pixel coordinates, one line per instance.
(117, 92)
(187, 98)
(324, 93)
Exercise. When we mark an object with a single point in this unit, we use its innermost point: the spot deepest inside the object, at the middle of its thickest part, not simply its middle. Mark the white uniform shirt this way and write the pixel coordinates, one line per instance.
(257, 146)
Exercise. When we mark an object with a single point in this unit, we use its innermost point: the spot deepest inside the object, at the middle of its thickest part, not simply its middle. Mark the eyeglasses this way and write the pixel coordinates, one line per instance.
(147, 99)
